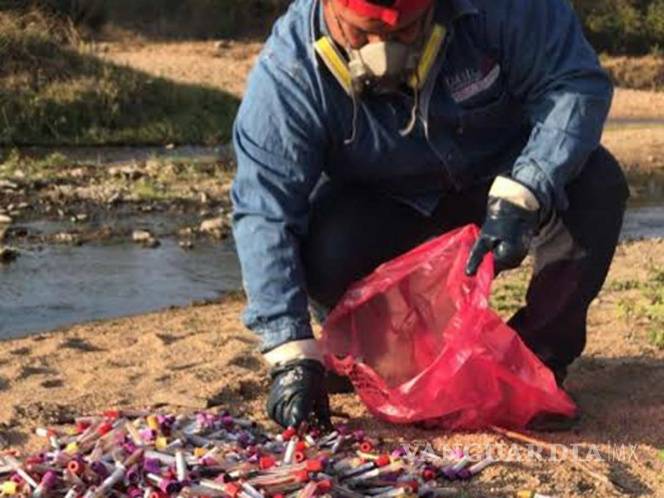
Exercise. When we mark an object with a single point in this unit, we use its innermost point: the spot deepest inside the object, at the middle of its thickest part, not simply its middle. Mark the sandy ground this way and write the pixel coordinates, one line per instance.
(184, 359)
(225, 65)
(201, 356)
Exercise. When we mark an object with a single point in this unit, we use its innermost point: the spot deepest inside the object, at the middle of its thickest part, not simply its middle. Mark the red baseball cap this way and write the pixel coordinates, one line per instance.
(387, 14)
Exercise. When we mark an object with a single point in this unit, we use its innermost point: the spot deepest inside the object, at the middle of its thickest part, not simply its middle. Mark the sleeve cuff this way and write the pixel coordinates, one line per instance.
(532, 177)
(306, 349)
(514, 192)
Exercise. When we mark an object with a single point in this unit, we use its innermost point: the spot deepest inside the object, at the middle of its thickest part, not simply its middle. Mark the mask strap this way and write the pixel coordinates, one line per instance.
(349, 86)
(329, 54)
(414, 111)
(353, 131)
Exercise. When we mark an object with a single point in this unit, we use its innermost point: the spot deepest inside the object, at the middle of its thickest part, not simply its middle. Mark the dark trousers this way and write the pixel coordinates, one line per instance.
(353, 230)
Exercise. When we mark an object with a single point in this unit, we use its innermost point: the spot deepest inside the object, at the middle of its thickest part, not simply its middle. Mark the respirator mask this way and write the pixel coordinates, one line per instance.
(385, 66)
(381, 67)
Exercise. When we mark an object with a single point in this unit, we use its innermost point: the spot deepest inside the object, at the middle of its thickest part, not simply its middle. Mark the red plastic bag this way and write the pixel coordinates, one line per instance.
(419, 342)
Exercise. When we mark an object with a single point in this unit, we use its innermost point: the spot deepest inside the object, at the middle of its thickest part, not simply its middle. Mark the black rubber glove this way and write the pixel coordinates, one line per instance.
(298, 394)
(507, 231)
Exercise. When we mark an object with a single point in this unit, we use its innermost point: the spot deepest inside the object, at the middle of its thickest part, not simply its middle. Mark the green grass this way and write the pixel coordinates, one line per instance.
(53, 91)
(509, 292)
(147, 189)
(647, 305)
(48, 167)
(656, 338)
(623, 285)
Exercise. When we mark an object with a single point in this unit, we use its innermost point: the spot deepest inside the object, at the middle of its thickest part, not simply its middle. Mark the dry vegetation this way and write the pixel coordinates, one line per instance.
(639, 73)
(53, 90)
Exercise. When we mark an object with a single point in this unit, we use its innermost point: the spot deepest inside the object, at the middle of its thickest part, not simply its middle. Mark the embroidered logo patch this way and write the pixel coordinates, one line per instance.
(470, 82)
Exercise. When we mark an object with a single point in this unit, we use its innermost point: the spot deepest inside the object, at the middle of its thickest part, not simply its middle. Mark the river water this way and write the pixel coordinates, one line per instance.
(53, 286)
(60, 285)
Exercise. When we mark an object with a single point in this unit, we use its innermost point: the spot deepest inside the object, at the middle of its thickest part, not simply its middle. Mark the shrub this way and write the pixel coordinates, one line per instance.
(54, 92)
(640, 73)
(613, 26)
(623, 26)
(655, 22)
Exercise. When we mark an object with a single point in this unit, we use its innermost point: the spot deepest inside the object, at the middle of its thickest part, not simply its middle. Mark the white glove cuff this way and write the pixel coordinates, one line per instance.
(306, 349)
(514, 192)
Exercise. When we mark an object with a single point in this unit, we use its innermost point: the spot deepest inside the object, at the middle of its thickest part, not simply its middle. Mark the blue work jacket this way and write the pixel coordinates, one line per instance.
(516, 89)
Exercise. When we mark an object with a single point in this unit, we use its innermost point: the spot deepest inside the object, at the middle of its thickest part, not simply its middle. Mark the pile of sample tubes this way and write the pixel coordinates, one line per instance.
(144, 455)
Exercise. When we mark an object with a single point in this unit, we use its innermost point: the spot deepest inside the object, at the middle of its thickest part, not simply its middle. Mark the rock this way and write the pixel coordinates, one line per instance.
(185, 232)
(212, 225)
(80, 218)
(141, 236)
(128, 171)
(151, 243)
(17, 231)
(67, 238)
(186, 244)
(7, 185)
(153, 166)
(8, 254)
(145, 238)
(78, 173)
(114, 198)
(5, 220)
(221, 45)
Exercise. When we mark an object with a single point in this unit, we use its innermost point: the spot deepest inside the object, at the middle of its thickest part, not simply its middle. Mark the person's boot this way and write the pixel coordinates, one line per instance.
(553, 422)
(560, 374)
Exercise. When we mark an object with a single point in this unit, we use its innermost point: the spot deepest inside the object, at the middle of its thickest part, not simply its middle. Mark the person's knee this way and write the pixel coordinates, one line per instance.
(330, 252)
(351, 232)
(327, 254)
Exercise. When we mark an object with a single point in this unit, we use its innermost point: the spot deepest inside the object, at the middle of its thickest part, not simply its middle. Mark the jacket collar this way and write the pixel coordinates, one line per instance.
(459, 8)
